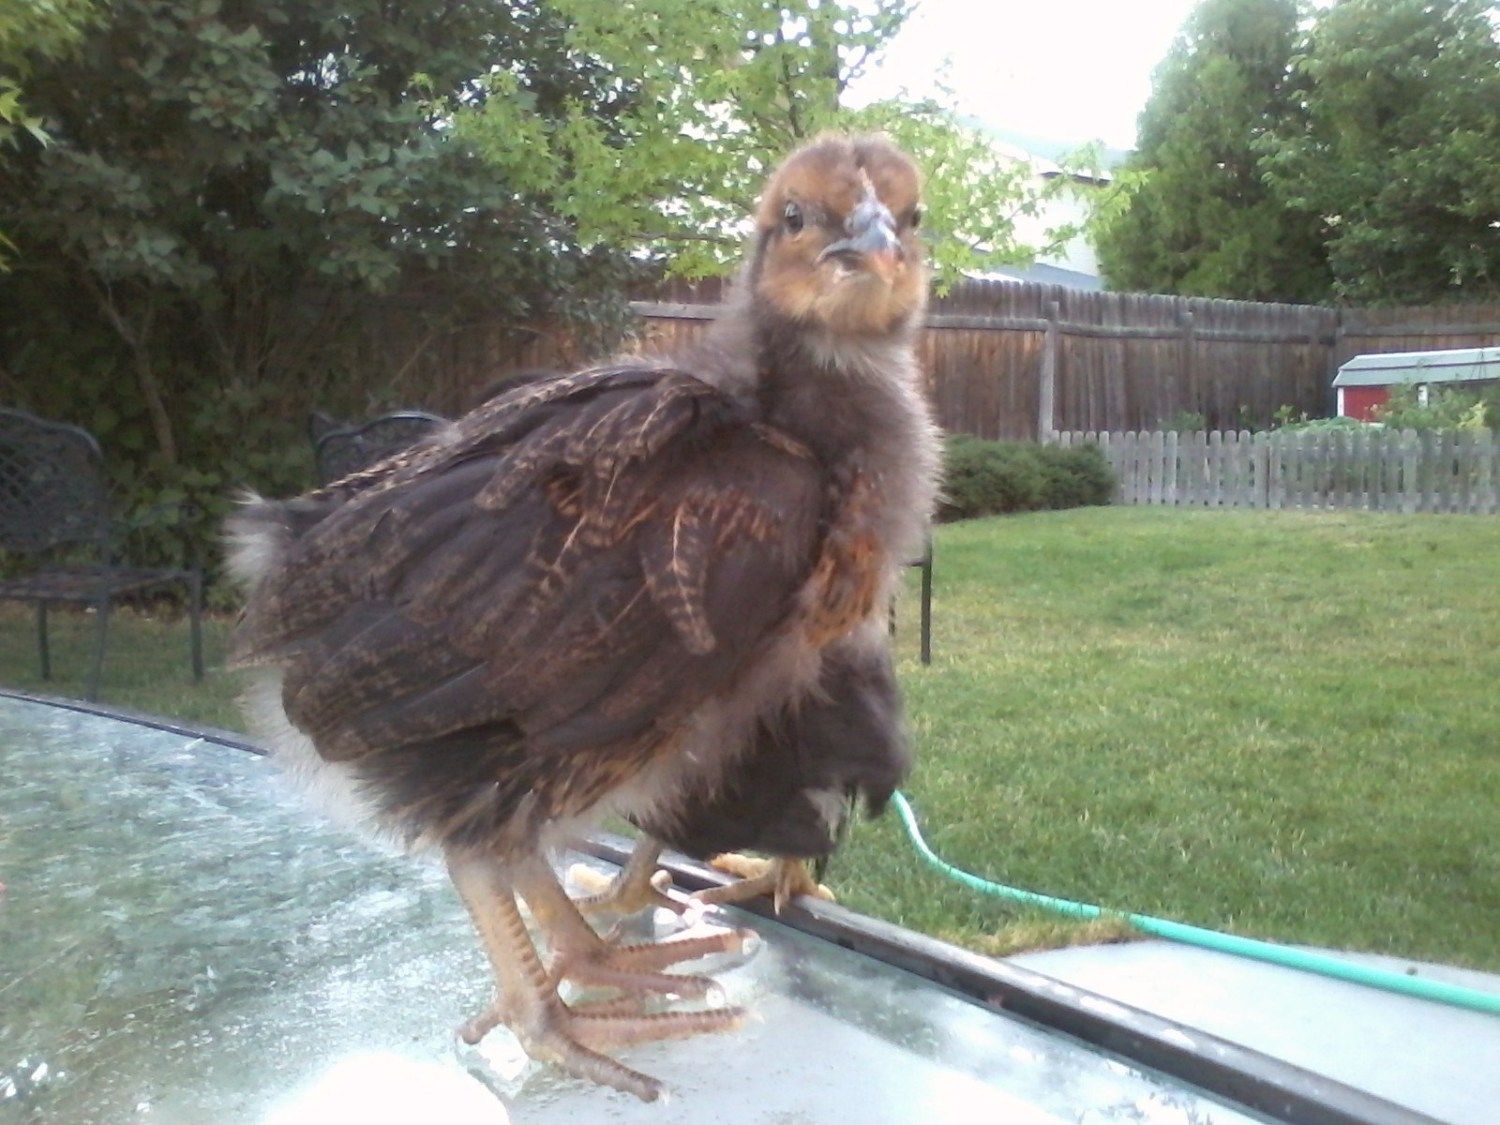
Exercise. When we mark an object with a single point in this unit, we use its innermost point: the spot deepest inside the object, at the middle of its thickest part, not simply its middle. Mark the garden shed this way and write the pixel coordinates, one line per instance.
(1365, 382)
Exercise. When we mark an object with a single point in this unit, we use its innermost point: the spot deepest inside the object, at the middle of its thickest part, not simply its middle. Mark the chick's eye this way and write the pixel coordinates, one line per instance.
(793, 217)
(916, 217)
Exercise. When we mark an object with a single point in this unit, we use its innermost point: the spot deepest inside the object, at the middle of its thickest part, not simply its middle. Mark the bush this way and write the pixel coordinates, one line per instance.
(1446, 408)
(1322, 426)
(1075, 478)
(983, 478)
(988, 477)
(1185, 422)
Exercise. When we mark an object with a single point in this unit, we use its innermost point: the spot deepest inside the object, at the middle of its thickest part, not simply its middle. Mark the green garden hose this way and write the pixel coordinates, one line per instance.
(1323, 965)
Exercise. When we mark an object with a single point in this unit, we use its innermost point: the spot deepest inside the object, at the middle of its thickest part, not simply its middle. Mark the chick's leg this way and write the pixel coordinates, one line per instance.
(637, 886)
(527, 1000)
(582, 956)
(782, 879)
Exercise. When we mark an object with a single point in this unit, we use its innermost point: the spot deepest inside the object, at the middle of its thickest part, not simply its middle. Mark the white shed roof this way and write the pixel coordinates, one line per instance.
(1458, 365)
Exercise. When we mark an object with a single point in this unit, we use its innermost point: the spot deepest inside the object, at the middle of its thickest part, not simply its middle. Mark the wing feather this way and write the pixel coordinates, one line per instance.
(550, 592)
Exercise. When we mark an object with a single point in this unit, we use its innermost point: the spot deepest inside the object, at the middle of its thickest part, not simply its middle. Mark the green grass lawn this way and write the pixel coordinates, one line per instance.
(1286, 725)
(146, 666)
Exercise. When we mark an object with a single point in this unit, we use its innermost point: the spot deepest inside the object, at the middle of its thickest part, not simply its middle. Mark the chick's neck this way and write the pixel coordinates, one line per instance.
(847, 399)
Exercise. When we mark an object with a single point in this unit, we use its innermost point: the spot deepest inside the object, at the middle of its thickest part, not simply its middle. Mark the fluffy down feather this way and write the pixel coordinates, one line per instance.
(792, 792)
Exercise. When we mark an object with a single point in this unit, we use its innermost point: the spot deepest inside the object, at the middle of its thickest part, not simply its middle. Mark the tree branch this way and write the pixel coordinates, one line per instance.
(688, 236)
(145, 374)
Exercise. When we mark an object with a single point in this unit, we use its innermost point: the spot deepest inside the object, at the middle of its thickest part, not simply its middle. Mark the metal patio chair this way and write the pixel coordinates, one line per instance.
(925, 562)
(341, 449)
(55, 512)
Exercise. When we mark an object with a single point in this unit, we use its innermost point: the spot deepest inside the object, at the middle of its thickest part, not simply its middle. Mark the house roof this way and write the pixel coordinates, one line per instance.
(1383, 369)
(1056, 275)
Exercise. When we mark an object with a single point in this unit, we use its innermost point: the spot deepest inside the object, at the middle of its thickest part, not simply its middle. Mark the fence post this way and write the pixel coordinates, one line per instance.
(1260, 460)
(1338, 470)
(1245, 458)
(1468, 445)
(1449, 482)
(1215, 468)
(1320, 481)
(1230, 469)
(1296, 469)
(1046, 421)
(1173, 470)
(1275, 474)
(1204, 469)
(1310, 477)
(1185, 400)
(1437, 457)
(1158, 461)
(1411, 490)
(1486, 487)
(1111, 451)
(1390, 468)
(1359, 471)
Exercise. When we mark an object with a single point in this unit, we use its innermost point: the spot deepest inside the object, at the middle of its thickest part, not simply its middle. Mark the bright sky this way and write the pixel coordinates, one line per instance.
(1073, 70)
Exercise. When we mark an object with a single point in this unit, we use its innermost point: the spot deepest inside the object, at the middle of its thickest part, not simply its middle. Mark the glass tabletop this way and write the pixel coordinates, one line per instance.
(181, 941)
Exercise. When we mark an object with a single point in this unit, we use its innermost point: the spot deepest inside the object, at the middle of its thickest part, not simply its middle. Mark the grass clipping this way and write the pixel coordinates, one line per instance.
(1042, 932)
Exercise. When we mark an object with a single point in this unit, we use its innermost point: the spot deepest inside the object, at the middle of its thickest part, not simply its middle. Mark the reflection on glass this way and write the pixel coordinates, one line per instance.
(181, 941)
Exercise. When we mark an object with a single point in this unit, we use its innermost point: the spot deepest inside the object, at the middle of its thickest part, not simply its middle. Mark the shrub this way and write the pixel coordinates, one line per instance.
(982, 478)
(1321, 426)
(1185, 422)
(1446, 408)
(1075, 478)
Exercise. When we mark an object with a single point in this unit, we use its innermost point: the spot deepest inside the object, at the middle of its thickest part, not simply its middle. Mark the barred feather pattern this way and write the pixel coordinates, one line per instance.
(498, 632)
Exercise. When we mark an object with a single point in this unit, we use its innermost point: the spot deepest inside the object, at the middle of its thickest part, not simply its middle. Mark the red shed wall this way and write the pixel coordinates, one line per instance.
(1360, 402)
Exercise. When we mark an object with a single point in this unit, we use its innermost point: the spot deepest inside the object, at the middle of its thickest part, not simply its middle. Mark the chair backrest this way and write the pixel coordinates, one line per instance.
(319, 424)
(347, 449)
(52, 487)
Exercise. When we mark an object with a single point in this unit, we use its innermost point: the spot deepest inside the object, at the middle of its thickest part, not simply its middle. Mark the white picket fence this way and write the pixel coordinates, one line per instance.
(1373, 469)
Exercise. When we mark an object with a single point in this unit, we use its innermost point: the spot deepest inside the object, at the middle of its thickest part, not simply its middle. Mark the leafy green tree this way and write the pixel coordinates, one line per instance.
(31, 30)
(1346, 154)
(1190, 212)
(717, 93)
(230, 179)
(250, 208)
(227, 182)
(236, 193)
(1397, 154)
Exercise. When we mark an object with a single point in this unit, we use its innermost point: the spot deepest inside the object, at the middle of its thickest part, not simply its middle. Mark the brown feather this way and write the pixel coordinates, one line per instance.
(598, 581)
(548, 603)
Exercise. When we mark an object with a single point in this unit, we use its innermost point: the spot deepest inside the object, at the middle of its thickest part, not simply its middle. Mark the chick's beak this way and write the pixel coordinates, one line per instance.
(872, 239)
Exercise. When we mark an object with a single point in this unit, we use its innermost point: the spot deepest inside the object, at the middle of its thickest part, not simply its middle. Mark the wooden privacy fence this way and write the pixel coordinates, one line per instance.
(1025, 360)
(1372, 469)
